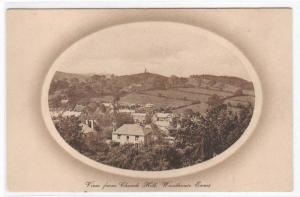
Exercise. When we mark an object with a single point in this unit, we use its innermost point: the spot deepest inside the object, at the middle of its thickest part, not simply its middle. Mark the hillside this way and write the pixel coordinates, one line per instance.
(220, 81)
(142, 77)
(148, 81)
(63, 75)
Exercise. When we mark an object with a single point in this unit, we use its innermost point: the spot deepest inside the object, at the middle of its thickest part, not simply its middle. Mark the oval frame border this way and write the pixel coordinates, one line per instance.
(166, 173)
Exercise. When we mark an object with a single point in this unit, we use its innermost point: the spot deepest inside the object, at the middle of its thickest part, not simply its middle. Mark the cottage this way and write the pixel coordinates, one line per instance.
(132, 133)
(162, 117)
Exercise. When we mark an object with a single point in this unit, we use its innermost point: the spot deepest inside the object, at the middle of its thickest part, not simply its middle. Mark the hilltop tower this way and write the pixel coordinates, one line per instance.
(145, 70)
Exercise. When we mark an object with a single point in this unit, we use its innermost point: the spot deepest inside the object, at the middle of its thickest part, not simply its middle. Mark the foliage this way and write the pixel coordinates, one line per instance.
(69, 130)
(198, 139)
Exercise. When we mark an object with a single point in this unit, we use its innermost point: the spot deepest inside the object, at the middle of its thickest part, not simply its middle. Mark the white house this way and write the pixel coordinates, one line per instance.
(64, 101)
(132, 133)
(162, 117)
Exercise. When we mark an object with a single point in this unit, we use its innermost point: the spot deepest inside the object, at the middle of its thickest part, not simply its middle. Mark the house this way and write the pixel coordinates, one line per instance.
(55, 114)
(127, 111)
(139, 117)
(64, 101)
(149, 105)
(108, 105)
(87, 128)
(162, 117)
(163, 126)
(163, 121)
(71, 113)
(169, 139)
(79, 107)
(88, 131)
(132, 133)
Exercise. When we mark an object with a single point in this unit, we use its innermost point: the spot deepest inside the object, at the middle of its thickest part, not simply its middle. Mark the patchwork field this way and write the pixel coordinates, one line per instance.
(202, 107)
(185, 98)
(179, 94)
(156, 100)
(179, 99)
(205, 91)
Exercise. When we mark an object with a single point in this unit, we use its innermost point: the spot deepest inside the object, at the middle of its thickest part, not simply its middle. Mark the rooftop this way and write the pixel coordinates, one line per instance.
(86, 129)
(163, 115)
(139, 114)
(133, 129)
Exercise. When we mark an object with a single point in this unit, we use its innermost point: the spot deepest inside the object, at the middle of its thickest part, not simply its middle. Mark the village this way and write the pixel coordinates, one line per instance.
(146, 122)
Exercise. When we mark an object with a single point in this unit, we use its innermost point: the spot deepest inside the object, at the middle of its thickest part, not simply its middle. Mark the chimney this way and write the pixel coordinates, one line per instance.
(92, 124)
(114, 125)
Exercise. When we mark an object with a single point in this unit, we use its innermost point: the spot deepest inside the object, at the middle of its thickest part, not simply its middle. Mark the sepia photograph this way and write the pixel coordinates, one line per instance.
(151, 96)
(149, 99)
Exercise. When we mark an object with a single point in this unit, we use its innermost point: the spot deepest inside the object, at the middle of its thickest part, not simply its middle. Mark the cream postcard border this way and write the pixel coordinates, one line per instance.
(162, 4)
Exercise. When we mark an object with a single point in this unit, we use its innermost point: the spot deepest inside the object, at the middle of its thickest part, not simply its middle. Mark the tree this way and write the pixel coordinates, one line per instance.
(102, 108)
(58, 85)
(148, 118)
(188, 113)
(123, 118)
(69, 129)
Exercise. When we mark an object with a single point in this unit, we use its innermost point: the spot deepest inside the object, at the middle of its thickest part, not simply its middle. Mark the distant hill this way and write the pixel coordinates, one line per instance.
(221, 82)
(155, 81)
(63, 75)
(59, 75)
(142, 78)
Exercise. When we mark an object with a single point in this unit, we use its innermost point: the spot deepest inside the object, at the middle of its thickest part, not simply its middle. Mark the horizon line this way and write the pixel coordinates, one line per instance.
(149, 73)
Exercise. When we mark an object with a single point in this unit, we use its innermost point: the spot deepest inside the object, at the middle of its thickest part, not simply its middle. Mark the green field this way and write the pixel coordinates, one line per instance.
(206, 91)
(157, 101)
(202, 107)
(181, 99)
(178, 94)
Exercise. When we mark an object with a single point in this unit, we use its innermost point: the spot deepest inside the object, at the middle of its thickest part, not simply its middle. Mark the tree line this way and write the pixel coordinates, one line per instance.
(199, 138)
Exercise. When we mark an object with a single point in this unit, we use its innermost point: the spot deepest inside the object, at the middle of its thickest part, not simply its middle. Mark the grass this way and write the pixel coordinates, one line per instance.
(181, 98)
(202, 107)
(157, 101)
(207, 92)
(179, 94)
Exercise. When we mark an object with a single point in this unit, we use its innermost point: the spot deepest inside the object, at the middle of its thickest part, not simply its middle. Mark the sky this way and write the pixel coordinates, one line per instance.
(161, 47)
